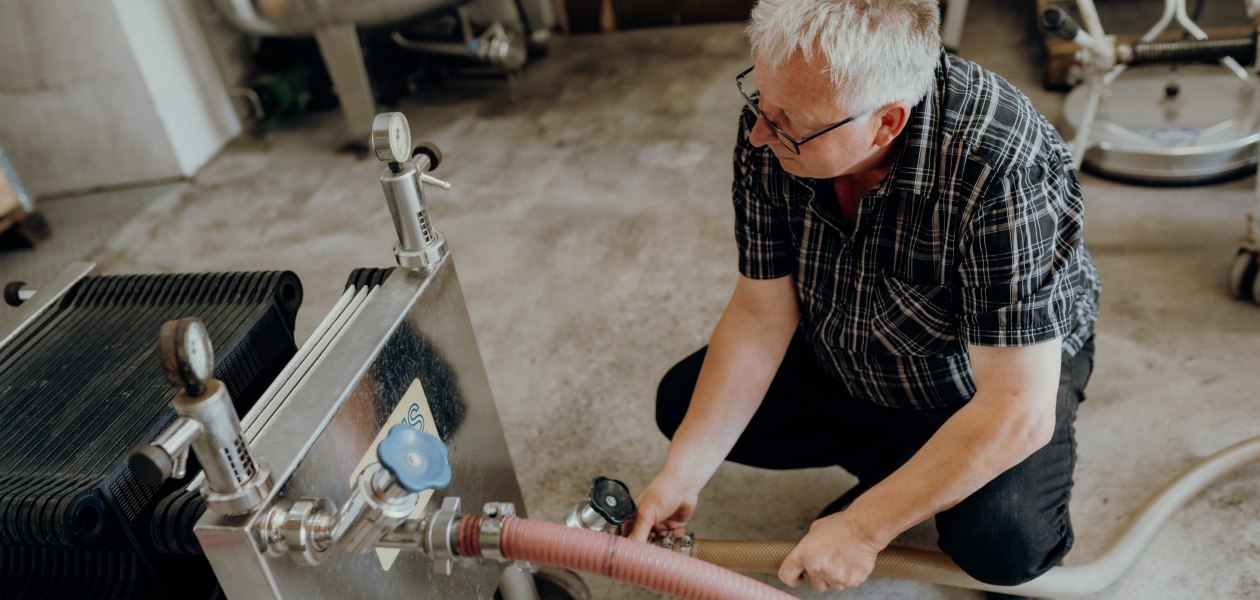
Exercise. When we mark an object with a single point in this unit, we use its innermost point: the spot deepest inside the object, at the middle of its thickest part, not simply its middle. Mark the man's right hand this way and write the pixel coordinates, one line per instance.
(663, 507)
(744, 354)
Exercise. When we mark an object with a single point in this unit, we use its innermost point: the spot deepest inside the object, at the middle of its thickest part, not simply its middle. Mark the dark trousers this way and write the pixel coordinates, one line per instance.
(1011, 530)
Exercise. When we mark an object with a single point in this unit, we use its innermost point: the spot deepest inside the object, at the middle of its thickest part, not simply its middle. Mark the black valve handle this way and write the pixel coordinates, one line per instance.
(150, 464)
(611, 499)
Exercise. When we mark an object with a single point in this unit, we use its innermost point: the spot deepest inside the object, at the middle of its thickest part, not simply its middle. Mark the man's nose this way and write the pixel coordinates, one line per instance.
(761, 134)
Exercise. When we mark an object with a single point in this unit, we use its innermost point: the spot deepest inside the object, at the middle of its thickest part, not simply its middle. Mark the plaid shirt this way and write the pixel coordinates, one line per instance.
(974, 237)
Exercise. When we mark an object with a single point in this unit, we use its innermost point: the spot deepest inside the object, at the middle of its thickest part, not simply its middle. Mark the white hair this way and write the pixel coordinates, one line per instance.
(878, 51)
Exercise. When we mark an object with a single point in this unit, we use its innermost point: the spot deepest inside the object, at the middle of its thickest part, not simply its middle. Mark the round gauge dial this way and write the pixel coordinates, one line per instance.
(198, 355)
(186, 354)
(391, 137)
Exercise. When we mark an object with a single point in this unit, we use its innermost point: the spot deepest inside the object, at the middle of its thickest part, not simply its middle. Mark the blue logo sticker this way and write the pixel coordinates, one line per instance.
(414, 417)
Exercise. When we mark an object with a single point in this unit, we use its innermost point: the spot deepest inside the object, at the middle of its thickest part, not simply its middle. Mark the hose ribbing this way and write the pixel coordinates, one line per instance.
(1077, 580)
(1242, 49)
(637, 563)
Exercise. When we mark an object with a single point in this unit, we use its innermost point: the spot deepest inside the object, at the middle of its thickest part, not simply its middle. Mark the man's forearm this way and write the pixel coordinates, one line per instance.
(744, 355)
(971, 449)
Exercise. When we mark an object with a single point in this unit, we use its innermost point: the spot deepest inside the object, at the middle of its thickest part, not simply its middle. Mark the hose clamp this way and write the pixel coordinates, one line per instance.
(681, 545)
(490, 536)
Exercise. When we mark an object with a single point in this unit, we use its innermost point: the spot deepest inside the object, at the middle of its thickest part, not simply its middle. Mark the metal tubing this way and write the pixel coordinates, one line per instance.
(517, 583)
(405, 199)
(236, 483)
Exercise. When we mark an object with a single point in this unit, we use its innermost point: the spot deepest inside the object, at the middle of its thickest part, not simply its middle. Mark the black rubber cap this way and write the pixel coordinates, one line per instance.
(611, 499)
(150, 464)
(431, 150)
(1058, 22)
(11, 293)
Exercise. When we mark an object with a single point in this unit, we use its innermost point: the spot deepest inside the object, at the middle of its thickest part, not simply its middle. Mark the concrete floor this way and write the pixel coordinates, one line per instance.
(592, 227)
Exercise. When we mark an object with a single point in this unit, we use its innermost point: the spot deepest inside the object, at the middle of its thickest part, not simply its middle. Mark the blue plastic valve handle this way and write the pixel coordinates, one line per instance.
(417, 460)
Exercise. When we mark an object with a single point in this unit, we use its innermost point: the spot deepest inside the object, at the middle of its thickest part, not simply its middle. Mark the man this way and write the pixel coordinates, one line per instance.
(916, 303)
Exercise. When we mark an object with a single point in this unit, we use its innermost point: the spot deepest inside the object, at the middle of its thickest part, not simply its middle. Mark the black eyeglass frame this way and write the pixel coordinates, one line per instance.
(792, 142)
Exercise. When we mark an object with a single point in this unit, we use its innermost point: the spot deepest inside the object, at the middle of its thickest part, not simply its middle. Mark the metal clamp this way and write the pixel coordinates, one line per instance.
(303, 531)
(439, 538)
(681, 545)
(490, 537)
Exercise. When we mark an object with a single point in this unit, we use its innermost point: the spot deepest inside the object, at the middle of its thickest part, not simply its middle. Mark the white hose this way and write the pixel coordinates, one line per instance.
(1077, 580)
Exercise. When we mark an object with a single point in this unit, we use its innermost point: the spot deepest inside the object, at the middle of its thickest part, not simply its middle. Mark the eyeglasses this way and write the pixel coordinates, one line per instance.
(789, 141)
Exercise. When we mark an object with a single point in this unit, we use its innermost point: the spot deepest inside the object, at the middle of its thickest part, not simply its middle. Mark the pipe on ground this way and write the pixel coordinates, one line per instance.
(1075, 580)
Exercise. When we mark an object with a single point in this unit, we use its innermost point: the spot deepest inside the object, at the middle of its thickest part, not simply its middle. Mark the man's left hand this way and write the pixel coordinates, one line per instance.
(836, 554)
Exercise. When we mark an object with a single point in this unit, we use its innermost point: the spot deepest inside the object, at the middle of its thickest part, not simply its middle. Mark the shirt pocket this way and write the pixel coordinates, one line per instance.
(913, 319)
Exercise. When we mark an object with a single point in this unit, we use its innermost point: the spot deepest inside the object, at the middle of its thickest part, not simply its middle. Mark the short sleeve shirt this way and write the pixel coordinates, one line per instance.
(975, 237)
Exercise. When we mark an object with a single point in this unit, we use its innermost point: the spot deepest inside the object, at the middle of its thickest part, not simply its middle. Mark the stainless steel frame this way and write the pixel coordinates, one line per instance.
(47, 295)
(413, 327)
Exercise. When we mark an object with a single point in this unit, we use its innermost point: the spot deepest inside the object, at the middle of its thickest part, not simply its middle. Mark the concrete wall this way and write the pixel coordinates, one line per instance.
(97, 94)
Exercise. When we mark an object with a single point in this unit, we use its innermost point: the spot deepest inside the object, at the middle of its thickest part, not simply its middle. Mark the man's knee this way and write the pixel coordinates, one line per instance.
(673, 396)
(1006, 541)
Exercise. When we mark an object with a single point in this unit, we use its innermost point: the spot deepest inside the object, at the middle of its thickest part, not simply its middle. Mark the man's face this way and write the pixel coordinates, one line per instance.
(799, 97)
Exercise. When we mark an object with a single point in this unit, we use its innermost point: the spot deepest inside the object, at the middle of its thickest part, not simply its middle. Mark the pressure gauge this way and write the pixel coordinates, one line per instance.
(391, 137)
(186, 354)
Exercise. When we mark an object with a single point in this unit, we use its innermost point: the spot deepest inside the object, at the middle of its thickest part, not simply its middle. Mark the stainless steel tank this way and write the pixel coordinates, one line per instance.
(300, 18)
(335, 23)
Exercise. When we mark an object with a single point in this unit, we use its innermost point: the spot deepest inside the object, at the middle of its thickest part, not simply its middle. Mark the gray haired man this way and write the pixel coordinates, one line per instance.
(916, 303)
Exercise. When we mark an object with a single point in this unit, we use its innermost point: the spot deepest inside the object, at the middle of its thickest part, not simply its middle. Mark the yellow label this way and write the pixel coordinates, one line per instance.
(412, 410)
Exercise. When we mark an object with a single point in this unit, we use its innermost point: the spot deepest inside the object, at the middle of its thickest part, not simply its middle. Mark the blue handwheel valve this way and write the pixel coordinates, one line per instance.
(417, 460)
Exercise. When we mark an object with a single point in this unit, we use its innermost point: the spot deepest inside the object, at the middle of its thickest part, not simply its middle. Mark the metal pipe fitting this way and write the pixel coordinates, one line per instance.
(375, 507)
(236, 483)
(440, 537)
(303, 531)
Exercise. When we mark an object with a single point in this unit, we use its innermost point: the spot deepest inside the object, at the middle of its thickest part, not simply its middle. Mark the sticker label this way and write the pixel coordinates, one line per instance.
(413, 409)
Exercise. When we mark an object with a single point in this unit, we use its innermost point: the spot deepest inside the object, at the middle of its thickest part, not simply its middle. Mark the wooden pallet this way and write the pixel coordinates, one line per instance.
(17, 226)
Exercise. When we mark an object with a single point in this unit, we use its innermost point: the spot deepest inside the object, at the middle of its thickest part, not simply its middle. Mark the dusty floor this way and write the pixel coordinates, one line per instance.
(591, 224)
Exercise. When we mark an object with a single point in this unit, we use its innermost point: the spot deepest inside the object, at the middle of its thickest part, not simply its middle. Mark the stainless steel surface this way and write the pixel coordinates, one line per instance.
(518, 582)
(582, 516)
(304, 17)
(16, 319)
(1207, 130)
(339, 45)
(307, 530)
(413, 327)
(235, 481)
(374, 508)
(419, 244)
(434, 181)
(496, 47)
(176, 440)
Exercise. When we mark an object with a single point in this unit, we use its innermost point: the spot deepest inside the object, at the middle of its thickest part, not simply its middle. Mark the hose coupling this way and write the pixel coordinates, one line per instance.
(680, 544)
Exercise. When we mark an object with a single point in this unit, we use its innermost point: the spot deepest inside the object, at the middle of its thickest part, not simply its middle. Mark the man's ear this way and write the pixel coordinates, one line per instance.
(889, 121)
